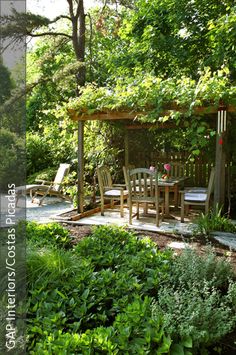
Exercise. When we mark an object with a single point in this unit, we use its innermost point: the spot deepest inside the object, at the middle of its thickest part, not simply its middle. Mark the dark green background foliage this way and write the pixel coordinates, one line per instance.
(6, 83)
(12, 159)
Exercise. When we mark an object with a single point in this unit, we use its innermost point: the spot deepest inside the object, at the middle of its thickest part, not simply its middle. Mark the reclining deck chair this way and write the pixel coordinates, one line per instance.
(198, 196)
(53, 188)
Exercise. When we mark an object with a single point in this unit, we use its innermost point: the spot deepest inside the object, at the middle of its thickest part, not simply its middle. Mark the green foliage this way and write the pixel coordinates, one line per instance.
(6, 83)
(151, 94)
(38, 153)
(12, 158)
(47, 174)
(133, 331)
(51, 234)
(88, 288)
(214, 221)
(116, 293)
(49, 148)
(197, 300)
(170, 37)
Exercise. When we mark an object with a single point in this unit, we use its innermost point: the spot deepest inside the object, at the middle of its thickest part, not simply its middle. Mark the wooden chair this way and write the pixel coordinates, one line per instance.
(125, 172)
(52, 188)
(177, 171)
(110, 191)
(198, 196)
(143, 188)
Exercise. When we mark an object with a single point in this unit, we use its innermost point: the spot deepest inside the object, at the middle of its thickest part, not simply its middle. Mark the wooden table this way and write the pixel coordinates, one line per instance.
(171, 182)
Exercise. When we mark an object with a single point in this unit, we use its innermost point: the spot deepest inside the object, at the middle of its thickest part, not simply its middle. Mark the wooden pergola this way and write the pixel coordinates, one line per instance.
(221, 140)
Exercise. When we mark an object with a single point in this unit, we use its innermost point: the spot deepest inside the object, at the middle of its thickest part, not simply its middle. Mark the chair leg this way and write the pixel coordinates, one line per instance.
(176, 196)
(137, 210)
(182, 208)
(187, 210)
(122, 206)
(157, 215)
(130, 210)
(102, 205)
(162, 211)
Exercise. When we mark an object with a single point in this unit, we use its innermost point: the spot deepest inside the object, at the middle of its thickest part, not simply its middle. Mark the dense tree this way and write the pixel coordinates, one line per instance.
(6, 83)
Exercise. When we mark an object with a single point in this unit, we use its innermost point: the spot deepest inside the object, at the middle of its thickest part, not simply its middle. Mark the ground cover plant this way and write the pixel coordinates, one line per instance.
(214, 220)
(116, 293)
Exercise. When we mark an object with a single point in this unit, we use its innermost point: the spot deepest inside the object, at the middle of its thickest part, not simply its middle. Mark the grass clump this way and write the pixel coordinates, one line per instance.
(214, 221)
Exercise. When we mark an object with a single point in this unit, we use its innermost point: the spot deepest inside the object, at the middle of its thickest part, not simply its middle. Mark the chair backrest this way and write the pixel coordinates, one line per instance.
(125, 172)
(142, 183)
(104, 178)
(177, 169)
(210, 187)
(61, 173)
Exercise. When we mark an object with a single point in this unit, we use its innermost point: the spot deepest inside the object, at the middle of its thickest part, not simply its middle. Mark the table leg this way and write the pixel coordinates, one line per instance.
(167, 208)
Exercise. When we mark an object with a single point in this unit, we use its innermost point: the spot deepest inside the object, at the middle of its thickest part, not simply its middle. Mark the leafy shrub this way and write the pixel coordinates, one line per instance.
(47, 234)
(214, 221)
(197, 300)
(47, 174)
(133, 331)
(190, 268)
(38, 153)
(12, 158)
(115, 293)
(88, 287)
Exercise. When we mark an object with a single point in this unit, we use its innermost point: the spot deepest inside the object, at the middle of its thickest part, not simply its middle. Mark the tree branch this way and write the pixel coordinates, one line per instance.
(48, 34)
(60, 17)
(71, 10)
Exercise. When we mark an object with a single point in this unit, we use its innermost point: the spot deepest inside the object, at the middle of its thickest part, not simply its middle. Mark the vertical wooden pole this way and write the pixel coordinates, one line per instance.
(80, 192)
(220, 160)
(126, 138)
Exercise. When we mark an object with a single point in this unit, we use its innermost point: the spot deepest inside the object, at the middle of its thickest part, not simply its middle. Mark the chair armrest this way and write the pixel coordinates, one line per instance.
(44, 182)
(119, 185)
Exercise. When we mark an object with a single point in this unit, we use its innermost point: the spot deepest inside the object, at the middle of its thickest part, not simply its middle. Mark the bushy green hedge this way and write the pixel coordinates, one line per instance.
(115, 293)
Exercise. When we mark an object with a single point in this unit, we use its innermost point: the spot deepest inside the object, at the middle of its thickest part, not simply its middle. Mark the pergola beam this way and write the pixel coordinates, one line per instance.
(129, 115)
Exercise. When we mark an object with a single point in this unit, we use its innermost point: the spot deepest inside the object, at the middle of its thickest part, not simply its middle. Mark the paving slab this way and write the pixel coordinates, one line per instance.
(29, 211)
(145, 223)
(228, 239)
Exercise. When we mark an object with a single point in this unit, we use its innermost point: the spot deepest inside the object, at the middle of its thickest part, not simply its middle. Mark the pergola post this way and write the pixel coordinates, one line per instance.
(80, 192)
(126, 141)
(220, 158)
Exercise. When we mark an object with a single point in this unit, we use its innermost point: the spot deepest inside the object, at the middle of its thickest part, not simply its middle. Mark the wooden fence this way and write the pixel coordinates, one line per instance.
(197, 171)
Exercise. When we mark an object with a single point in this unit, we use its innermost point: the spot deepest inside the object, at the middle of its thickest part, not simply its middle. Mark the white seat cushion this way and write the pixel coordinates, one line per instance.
(115, 193)
(195, 197)
(196, 189)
